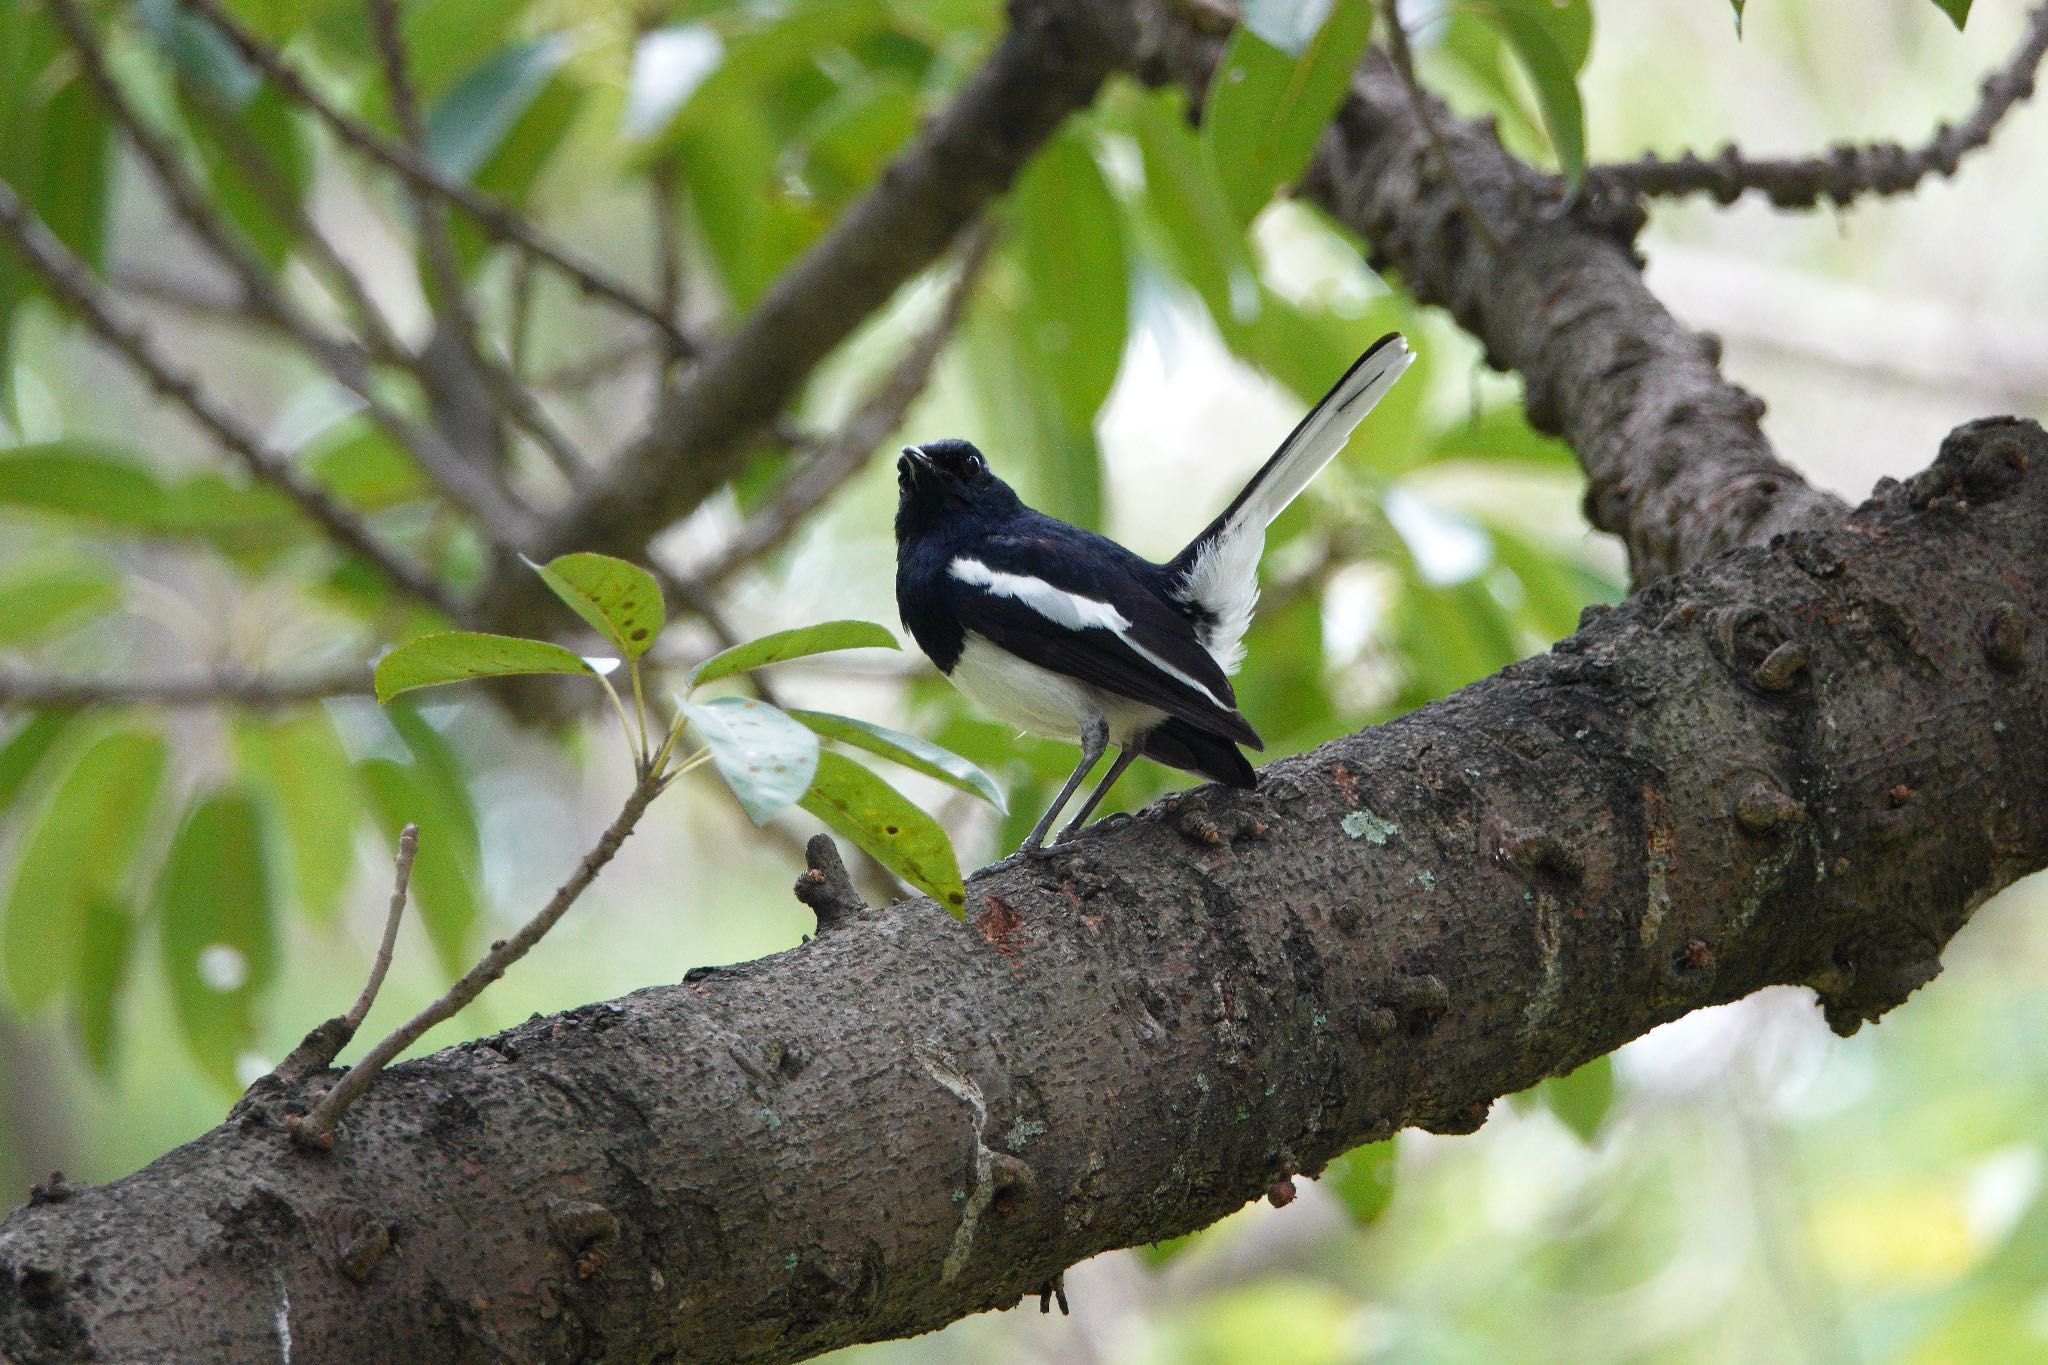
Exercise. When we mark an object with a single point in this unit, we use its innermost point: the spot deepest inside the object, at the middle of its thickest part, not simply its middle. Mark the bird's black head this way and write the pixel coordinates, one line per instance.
(945, 483)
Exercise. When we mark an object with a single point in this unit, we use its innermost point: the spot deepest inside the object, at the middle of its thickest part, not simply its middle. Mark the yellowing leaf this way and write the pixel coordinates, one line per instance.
(821, 638)
(459, 655)
(621, 601)
(883, 822)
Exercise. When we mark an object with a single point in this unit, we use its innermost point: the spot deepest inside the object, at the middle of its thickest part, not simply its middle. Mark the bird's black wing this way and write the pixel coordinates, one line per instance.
(1083, 606)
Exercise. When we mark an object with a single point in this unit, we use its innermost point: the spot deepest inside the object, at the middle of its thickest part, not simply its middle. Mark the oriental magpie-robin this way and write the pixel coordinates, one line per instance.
(1065, 633)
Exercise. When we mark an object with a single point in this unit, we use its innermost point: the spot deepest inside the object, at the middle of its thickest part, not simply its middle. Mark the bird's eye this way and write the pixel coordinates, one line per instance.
(974, 464)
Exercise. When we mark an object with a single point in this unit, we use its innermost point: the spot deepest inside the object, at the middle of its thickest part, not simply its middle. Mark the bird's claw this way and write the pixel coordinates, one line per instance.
(1054, 1288)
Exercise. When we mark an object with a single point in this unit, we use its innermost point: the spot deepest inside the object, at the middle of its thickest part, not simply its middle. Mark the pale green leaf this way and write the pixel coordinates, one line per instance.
(215, 935)
(783, 645)
(299, 771)
(1073, 316)
(78, 848)
(1363, 1180)
(1290, 25)
(443, 889)
(1267, 108)
(106, 940)
(42, 601)
(1551, 40)
(764, 756)
(1582, 1098)
(22, 755)
(460, 655)
(466, 125)
(884, 823)
(919, 755)
(621, 601)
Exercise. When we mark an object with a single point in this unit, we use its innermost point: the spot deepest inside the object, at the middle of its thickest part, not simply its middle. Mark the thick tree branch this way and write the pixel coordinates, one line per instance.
(1848, 170)
(1806, 762)
(1049, 63)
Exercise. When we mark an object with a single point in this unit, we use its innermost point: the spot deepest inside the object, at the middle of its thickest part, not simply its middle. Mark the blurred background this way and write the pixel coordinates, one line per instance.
(1738, 1186)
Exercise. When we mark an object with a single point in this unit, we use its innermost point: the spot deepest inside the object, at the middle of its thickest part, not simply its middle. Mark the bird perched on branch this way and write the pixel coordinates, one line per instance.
(1065, 633)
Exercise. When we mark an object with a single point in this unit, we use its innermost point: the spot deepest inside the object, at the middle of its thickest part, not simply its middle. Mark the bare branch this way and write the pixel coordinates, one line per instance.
(1848, 170)
(324, 1043)
(316, 1127)
(470, 484)
(23, 688)
(69, 280)
(495, 218)
(838, 458)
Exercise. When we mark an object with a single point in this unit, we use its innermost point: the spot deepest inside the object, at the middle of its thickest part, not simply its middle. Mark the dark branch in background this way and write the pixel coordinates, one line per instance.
(833, 461)
(470, 484)
(324, 1043)
(494, 218)
(70, 282)
(1705, 791)
(316, 1127)
(23, 688)
(1848, 170)
(1050, 62)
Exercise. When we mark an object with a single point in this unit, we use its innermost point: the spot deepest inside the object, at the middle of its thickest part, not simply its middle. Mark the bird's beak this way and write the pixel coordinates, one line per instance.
(915, 461)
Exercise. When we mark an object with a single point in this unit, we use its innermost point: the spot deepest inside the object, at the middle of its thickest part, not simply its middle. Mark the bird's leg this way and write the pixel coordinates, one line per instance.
(1094, 740)
(1116, 770)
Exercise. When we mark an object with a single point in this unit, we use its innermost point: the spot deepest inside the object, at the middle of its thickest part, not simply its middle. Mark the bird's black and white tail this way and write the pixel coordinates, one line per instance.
(1219, 570)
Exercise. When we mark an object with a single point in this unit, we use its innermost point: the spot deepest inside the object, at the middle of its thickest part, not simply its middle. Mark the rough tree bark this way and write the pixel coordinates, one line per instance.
(1800, 763)
(1805, 755)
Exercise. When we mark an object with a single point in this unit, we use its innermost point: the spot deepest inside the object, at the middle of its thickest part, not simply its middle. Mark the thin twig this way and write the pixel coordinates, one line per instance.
(668, 243)
(430, 213)
(316, 1127)
(841, 456)
(69, 280)
(379, 337)
(23, 688)
(318, 1049)
(1847, 170)
(493, 217)
(503, 520)
(1404, 62)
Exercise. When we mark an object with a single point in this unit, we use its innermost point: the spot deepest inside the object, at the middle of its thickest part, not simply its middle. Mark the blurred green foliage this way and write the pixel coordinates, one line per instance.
(187, 892)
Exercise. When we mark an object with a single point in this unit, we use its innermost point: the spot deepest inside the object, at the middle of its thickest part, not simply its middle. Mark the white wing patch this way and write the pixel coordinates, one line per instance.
(1072, 610)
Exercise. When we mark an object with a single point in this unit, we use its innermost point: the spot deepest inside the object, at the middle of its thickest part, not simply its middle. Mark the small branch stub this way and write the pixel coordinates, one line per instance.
(825, 885)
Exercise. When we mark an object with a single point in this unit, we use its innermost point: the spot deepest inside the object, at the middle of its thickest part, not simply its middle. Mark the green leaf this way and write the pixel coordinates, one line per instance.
(77, 850)
(105, 485)
(23, 753)
(764, 756)
(919, 755)
(442, 779)
(42, 601)
(855, 803)
(1551, 40)
(268, 126)
(1074, 314)
(442, 888)
(300, 773)
(1958, 11)
(364, 467)
(783, 645)
(105, 945)
(1581, 1098)
(1737, 6)
(1363, 1180)
(1267, 106)
(459, 655)
(467, 124)
(215, 934)
(621, 601)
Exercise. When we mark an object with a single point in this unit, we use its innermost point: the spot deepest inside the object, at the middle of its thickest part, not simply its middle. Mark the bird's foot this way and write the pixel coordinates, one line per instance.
(1054, 1288)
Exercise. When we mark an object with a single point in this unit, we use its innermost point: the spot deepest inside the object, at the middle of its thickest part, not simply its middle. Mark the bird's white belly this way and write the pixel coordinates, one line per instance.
(1041, 701)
